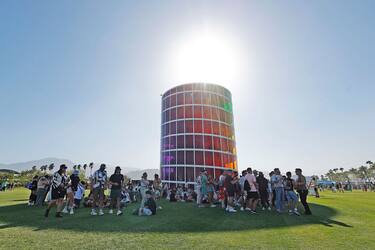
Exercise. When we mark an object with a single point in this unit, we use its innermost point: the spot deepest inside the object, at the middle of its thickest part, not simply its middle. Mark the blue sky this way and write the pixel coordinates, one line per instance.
(82, 79)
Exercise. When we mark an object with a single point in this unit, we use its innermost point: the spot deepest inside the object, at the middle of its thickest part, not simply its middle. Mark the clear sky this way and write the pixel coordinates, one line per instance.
(82, 79)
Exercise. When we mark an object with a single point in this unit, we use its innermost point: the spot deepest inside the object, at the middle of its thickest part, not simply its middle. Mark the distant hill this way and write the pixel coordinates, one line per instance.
(136, 174)
(10, 171)
(20, 166)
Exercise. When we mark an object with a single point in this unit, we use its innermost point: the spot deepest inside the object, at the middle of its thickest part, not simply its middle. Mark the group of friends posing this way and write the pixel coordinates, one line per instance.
(247, 190)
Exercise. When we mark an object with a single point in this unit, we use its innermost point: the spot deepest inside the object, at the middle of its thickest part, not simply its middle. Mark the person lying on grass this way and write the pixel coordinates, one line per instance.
(149, 206)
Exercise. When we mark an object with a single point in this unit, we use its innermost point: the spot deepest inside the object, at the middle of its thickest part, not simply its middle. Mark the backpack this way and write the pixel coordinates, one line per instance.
(246, 186)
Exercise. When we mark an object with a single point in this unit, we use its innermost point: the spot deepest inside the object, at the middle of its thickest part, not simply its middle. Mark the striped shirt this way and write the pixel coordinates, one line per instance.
(58, 179)
(100, 178)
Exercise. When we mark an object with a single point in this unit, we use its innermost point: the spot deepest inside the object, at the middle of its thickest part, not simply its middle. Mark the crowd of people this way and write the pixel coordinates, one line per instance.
(252, 190)
(247, 192)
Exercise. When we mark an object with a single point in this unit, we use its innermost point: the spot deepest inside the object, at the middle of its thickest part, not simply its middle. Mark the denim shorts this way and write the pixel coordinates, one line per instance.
(291, 196)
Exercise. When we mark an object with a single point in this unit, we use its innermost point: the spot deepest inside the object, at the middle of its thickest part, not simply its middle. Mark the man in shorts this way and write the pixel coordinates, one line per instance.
(229, 191)
(291, 196)
(301, 188)
(58, 191)
(99, 184)
(117, 182)
(252, 194)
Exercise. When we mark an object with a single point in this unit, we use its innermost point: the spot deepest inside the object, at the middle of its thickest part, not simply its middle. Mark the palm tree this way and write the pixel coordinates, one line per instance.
(91, 165)
(342, 170)
(75, 167)
(51, 166)
(33, 168)
(79, 167)
(84, 168)
(363, 173)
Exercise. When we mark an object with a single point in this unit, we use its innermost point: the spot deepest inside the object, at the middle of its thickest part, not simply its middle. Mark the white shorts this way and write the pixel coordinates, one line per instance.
(146, 212)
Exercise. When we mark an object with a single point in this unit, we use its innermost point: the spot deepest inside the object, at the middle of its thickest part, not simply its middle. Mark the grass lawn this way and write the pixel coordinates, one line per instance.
(340, 221)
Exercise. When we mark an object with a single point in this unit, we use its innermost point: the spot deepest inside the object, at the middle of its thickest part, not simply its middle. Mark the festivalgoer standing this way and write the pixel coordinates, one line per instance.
(204, 181)
(291, 196)
(99, 184)
(300, 186)
(229, 191)
(252, 195)
(143, 188)
(33, 188)
(117, 182)
(58, 191)
(277, 181)
(313, 184)
(263, 191)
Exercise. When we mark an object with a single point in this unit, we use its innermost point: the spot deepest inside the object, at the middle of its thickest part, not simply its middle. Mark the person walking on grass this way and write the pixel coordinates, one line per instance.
(291, 196)
(277, 181)
(43, 183)
(252, 194)
(117, 182)
(72, 188)
(58, 191)
(99, 184)
(301, 188)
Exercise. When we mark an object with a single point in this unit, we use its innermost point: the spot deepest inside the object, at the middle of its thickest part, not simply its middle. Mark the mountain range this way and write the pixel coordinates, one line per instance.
(133, 173)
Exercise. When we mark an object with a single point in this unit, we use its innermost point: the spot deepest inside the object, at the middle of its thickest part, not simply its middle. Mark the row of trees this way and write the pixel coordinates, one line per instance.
(50, 167)
(365, 173)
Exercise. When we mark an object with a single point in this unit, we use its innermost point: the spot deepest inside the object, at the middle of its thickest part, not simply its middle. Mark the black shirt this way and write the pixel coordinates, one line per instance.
(263, 183)
(116, 178)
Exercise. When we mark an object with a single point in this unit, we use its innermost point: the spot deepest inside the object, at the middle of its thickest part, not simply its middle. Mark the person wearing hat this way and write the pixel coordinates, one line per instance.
(117, 182)
(72, 188)
(99, 184)
(58, 191)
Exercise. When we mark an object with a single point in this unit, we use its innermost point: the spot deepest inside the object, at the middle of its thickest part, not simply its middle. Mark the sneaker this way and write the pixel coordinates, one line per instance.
(65, 211)
(232, 210)
(247, 209)
(110, 211)
(278, 211)
(58, 215)
(269, 208)
(213, 205)
(71, 211)
(119, 212)
(93, 212)
(227, 209)
(253, 212)
(296, 213)
(242, 209)
(160, 208)
(101, 212)
(263, 208)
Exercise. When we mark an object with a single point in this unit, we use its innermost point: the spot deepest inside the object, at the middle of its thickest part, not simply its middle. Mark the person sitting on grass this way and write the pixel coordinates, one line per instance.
(79, 194)
(149, 207)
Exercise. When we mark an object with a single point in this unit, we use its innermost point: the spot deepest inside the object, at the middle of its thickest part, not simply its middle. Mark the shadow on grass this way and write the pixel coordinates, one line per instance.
(174, 217)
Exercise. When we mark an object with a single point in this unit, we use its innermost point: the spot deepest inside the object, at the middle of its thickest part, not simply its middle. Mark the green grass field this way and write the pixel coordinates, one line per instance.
(340, 221)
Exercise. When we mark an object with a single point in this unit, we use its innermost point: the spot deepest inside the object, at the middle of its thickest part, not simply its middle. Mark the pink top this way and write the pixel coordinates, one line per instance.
(252, 182)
